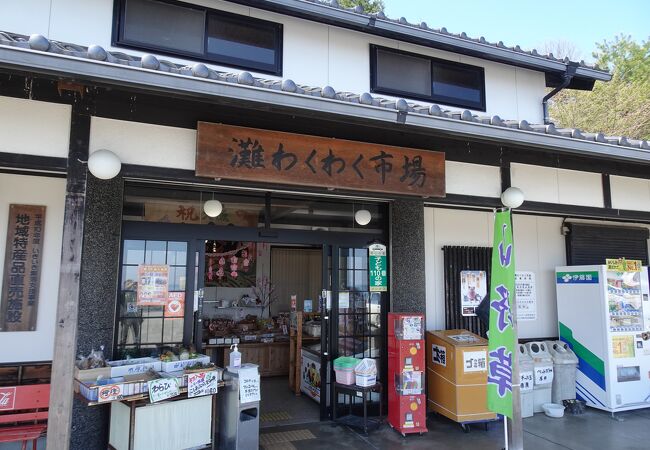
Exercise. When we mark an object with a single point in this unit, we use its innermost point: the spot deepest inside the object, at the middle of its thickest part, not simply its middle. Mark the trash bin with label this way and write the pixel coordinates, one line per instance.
(565, 365)
(542, 374)
(239, 409)
(526, 380)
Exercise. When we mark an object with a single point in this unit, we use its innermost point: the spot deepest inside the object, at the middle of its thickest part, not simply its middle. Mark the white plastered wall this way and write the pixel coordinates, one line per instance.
(551, 185)
(144, 144)
(34, 128)
(314, 54)
(539, 248)
(472, 179)
(36, 345)
(630, 193)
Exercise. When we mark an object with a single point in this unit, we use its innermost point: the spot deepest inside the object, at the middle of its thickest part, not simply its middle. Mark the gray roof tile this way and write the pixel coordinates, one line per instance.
(200, 70)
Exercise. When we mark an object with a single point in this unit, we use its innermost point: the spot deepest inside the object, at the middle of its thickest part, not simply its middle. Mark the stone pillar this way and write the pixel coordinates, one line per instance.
(97, 298)
(408, 284)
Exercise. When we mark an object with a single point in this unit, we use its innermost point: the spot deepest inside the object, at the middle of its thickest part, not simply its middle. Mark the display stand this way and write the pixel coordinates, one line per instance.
(353, 391)
(296, 339)
(135, 421)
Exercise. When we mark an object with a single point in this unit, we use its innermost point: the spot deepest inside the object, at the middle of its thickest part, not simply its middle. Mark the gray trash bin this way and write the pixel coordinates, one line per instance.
(239, 423)
(565, 365)
(526, 381)
(542, 374)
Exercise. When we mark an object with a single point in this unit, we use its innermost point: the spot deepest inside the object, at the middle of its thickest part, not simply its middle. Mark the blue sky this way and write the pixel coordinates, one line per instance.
(532, 23)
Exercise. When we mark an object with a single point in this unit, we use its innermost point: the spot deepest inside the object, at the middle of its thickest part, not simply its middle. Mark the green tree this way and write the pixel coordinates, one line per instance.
(369, 6)
(620, 107)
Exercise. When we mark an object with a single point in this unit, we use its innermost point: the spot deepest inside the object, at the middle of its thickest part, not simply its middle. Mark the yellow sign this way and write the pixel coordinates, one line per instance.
(624, 265)
(623, 346)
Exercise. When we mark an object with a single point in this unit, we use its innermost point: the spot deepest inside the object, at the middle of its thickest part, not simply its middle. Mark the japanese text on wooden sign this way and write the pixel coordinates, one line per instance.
(248, 154)
(22, 268)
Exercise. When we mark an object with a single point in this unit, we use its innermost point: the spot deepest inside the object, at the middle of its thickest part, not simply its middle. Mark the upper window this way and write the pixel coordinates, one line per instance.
(215, 36)
(394, 72)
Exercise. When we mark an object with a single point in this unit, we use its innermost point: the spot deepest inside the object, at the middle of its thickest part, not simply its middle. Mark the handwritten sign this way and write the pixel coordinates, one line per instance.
(238, 153)
(544, 375)
(475, 361)
(109, 393)
(249, 384)
(22, 268)
(153, 285)
(439, 354)
(202, 383)
(162, 389)
(526, 381)
(526, 295)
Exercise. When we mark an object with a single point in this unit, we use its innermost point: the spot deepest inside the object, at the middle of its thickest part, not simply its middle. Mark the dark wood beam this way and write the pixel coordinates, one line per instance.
(65, 339)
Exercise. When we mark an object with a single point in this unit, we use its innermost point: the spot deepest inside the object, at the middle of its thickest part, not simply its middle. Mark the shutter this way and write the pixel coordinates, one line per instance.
(593, 244)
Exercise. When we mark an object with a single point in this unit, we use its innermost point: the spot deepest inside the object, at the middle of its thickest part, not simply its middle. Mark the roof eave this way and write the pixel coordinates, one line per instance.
(156, 81)
(449, 42)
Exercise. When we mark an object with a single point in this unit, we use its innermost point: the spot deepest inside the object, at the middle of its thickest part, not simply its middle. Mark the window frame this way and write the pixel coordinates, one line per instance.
(118, 40)
(480, 106)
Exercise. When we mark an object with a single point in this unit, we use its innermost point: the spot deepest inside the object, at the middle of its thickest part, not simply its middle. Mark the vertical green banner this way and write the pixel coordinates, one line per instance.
(377, 268)
(502, 335)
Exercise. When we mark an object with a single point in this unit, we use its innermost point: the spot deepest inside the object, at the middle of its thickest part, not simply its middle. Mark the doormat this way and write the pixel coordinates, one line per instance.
(275, 416)
(284, 437)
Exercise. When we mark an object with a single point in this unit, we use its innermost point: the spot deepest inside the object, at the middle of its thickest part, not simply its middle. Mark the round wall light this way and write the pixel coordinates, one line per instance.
(512, 197)
(362, 217)
(212, 208)
(104, 164)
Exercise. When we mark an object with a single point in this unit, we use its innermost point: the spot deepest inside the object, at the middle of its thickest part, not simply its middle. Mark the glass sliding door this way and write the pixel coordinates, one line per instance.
(147, 326)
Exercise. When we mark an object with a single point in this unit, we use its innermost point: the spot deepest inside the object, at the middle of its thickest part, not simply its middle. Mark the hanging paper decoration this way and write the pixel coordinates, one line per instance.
(235, 264)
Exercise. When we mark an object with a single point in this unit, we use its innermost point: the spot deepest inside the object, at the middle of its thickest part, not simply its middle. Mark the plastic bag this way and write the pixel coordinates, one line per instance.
(367, 366)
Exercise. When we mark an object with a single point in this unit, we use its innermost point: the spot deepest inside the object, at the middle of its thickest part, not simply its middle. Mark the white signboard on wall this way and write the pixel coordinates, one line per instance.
(525, 290)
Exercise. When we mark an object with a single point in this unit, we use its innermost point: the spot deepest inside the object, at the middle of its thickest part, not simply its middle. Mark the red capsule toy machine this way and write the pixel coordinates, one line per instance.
(407, 404)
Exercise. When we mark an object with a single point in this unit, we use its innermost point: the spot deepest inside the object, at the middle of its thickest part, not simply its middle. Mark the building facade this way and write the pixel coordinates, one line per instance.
(76, 78)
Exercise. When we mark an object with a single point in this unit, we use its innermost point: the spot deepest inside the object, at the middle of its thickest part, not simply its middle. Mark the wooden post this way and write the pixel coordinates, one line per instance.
(65, 339)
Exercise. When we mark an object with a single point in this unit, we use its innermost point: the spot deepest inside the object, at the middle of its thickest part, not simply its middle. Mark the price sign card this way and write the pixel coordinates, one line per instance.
(162, 389)
(202, 383)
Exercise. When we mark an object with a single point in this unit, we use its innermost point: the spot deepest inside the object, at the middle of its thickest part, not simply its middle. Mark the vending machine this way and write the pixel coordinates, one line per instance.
(407, 406)
(604, 316)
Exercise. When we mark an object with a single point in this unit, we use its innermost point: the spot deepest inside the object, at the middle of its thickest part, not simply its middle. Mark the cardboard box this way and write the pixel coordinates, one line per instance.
(457, 375)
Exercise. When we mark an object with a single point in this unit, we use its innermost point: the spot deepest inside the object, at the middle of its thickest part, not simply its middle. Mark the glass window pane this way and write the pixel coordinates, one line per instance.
(164, 25)
(458, 83)
(130, 278)
(151, 331)
(241, 40)
(177, 253)
(129, 331)
(133, 252)
(152, 311)
(361, 258)
(156, 252)
(177, 278)
(173, 331)
(360, 280)
(404, 73)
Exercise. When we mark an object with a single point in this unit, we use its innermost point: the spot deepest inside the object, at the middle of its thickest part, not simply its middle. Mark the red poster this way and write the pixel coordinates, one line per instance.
(175, 306)
(153, 285)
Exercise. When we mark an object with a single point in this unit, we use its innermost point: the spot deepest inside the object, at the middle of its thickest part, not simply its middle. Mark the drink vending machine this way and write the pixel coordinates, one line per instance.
(407, 406)
(604, 316)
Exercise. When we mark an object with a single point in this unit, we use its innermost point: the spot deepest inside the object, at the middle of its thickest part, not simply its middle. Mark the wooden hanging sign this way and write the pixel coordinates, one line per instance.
(248, 154)
(22, 269)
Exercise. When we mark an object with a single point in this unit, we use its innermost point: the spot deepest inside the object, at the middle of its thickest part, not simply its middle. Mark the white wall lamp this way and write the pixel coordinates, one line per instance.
(512, 197)
(104, 164)
(362, 217)
(212, 208)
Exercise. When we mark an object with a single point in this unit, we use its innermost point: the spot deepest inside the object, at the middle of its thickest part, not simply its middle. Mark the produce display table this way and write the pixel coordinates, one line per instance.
(179, 422)
(354, 391)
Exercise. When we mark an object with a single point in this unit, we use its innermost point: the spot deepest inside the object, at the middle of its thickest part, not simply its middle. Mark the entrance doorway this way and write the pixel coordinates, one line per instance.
(274, 272)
